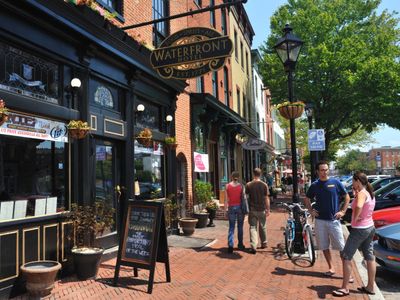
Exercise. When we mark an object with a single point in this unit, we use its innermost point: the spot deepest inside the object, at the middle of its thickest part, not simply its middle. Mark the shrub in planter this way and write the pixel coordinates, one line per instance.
(203, 194)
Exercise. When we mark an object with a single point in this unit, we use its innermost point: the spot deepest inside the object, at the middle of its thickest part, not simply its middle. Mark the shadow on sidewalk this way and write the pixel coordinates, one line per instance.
(222, 252)
(283, 272)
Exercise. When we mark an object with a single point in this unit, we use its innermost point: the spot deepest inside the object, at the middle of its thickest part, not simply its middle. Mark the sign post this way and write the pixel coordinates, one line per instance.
(143, 240)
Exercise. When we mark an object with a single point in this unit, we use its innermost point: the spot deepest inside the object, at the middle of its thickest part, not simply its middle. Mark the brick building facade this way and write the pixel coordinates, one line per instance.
(387, 159)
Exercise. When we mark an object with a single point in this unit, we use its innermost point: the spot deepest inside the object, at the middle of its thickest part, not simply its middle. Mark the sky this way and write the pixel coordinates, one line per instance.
(260, 11)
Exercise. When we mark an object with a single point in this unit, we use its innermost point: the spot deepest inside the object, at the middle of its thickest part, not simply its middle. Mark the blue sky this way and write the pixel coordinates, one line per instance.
(260, 11)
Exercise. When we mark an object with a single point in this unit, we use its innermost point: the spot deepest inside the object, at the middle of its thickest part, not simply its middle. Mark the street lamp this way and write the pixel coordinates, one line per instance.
(288, 49)
(309, 110)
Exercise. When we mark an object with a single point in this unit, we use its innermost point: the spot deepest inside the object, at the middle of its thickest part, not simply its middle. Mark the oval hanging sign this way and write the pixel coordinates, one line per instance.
(190, 53)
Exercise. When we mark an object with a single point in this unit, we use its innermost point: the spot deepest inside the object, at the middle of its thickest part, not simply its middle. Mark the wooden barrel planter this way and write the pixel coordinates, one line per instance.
(291, 111)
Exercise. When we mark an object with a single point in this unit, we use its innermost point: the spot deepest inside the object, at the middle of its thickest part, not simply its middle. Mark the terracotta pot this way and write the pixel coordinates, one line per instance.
(147, 142)
(188, 225)
(77, 133)
(291, 111)
(40, 276)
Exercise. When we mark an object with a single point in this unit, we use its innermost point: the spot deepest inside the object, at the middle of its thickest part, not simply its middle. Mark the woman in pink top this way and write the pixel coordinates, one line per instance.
(233, 193)
(361, 234)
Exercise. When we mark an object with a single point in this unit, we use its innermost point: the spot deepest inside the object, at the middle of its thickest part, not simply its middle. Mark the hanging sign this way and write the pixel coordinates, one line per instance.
(33, 127)
(191, 52)
(200, 162)
(254, 144)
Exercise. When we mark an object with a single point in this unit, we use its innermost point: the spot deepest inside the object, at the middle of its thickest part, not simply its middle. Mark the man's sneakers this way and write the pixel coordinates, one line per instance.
(241, 247)
(252, 251)
(264, 245)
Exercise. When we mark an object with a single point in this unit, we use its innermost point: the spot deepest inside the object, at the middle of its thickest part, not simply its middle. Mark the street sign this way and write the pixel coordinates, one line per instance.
(316, 140)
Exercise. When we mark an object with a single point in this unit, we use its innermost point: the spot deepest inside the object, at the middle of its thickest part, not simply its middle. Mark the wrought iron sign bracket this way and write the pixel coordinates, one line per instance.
(189, 13)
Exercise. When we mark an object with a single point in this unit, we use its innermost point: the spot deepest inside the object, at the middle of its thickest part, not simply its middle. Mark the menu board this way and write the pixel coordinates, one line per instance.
(139, 234)
(143, 240)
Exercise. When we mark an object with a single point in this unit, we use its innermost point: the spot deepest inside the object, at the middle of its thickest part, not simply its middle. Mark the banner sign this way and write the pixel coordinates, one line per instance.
(191, 52)
(254, 144)
(200, 162)
(316, 140)
(26, 126)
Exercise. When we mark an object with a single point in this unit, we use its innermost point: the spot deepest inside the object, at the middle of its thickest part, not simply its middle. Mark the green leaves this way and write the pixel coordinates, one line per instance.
(349, 66)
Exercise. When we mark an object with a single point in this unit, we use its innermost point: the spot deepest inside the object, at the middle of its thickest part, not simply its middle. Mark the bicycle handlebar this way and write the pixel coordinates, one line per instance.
(290, 207)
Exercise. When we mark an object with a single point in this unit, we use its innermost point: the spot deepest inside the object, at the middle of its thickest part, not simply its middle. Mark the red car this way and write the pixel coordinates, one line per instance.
(386, 216)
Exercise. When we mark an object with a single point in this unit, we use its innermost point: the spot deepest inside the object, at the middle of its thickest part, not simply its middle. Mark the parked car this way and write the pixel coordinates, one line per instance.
(387, 196)
(372, 178)
(377, 184)
(387, 247)
(386, 216)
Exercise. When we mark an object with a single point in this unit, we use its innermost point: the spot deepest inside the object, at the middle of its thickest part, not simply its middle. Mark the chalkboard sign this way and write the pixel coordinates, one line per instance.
(143, 240)
(139, 234)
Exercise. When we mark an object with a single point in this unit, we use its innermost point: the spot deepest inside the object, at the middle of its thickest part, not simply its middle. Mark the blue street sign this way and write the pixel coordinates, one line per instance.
(316, 140)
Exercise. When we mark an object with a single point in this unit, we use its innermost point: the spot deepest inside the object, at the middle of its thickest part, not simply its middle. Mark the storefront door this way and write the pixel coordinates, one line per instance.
(107, 179)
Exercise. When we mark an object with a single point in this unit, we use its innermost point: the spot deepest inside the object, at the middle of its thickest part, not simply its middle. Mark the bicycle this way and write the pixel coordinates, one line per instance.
(298, 232)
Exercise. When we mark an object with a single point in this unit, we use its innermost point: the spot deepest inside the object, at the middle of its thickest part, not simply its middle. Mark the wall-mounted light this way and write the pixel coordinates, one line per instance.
(72, 89)
(169, 118)
(140, 108)
(76, 83)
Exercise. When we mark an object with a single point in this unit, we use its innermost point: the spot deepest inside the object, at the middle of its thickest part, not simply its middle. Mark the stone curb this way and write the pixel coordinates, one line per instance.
(362, 270)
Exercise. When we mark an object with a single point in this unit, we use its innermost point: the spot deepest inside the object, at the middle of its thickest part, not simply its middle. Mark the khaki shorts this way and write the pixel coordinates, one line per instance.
(329, 233)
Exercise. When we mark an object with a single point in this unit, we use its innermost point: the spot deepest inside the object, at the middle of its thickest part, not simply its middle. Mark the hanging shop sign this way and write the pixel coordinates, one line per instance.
(254, 144)
(26, 126)
(191, 52)
(200, 162)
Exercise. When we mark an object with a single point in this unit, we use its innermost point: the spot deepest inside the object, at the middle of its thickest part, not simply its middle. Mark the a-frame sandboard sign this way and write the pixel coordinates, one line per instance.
(143, 240)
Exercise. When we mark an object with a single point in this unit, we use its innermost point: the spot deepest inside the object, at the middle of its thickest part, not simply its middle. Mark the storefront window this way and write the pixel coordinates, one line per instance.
(29, 75)
(199, 138)
(32, 177)
(150, 117)
(149, 171)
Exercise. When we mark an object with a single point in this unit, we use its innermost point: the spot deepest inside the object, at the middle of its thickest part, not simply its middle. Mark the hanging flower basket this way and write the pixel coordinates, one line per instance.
(170, 142)
(291, 110)
(3, 112)
(145, 137)
(78, 129)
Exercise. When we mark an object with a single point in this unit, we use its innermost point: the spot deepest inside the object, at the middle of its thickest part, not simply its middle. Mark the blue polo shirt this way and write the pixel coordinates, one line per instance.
(327, 196)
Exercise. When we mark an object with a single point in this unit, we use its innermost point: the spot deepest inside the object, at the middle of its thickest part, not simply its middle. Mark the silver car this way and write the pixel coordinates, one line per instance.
(387, 247)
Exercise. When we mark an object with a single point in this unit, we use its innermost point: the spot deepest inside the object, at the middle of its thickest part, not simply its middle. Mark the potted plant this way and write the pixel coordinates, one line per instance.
(171, 208)
(170, 142)
(291, 110)
(40, 276)
(203, 194)
(3, 112)
(212, 207)
(145, 137)
(89, 221)
(78, 129)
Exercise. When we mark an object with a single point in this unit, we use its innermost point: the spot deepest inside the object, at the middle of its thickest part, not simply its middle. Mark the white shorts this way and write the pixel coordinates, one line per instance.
(328, 233)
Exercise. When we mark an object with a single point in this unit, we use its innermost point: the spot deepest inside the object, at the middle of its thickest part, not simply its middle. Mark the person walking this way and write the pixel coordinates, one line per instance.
(328, 231)
(361, 235)
(259, 209)
(233, 196)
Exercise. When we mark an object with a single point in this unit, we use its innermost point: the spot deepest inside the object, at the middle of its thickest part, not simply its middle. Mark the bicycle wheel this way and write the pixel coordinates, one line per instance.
(309, 244)
(289, 242)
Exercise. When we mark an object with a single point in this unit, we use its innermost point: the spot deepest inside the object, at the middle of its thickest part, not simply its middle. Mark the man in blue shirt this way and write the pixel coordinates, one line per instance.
(327, 193)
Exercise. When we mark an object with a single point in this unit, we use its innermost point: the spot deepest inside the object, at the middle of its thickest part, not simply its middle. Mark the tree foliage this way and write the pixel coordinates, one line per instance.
(349, 66)
(355, 160)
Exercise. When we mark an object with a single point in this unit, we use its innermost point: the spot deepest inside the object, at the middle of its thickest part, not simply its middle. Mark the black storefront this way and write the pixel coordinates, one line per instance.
(43, 46)
(219, 131)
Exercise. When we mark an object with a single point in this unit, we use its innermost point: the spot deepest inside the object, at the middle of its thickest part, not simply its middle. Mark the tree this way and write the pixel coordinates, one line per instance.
(349, 66)
(355, 160)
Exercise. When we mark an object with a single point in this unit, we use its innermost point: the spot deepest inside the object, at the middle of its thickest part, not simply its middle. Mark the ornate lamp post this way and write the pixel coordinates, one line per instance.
(309, 110)
(288, 49)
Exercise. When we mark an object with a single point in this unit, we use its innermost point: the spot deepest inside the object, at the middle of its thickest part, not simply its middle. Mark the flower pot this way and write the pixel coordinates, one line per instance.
(146, 142)
(291, 111)
(188, 225)
(203, 218)
(40, 276)
(77, 133)
(211, 215)
(87, 262)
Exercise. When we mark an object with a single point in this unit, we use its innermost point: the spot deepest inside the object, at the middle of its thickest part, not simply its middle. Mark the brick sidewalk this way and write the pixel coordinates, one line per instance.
(212, 273)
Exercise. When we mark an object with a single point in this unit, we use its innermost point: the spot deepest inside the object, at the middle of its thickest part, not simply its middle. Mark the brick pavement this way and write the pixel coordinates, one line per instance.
(212, 273)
